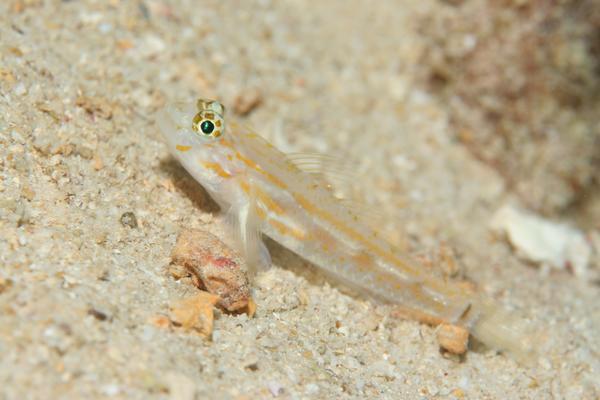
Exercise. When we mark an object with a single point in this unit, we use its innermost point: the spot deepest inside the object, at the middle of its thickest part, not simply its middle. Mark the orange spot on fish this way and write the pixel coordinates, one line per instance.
(226, 143)
(183, 148)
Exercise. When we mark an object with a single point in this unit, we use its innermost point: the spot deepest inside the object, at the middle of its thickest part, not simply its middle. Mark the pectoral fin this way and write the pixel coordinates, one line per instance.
(245, 228)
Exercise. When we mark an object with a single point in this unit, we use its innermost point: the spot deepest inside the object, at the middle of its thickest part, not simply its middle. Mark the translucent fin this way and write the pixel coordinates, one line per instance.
(365, 212)
(245, 229)
(331, 171)
(337, 176)
(502, 330)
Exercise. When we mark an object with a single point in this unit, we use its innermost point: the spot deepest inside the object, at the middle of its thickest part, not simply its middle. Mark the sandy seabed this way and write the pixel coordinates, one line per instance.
(81, 82)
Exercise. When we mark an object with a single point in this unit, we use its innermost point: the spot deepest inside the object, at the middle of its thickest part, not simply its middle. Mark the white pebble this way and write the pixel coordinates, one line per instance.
(105, 27)
(20, 89)
(275, 388)
(311, 389)
(111, 389)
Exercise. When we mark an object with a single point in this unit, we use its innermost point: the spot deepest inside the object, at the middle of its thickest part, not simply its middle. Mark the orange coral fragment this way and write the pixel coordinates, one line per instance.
(453, 339)
(196, 313)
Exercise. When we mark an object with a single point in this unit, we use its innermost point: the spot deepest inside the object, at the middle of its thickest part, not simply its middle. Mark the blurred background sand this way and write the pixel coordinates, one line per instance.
(445, 110)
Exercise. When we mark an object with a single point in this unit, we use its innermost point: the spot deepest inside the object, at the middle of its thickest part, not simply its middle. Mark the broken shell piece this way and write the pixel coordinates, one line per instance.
(542, 241)
(215, 267)
(452, 338)
(251, 308)
(196, 313)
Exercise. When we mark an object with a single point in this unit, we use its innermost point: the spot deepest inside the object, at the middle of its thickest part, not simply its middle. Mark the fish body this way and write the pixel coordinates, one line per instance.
(263, 191)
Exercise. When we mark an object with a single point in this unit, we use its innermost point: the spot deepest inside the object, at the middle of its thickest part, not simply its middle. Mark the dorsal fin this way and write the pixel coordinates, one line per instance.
(331, 171)
(337, 176)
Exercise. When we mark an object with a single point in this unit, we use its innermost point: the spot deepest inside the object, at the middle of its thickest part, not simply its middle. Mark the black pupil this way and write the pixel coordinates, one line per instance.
(207, 127)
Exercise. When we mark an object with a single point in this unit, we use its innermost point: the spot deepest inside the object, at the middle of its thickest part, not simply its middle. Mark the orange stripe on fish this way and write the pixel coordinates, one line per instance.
(287, 230)
(216, 168)
(275, 180)
(263, 197)
(338, 224)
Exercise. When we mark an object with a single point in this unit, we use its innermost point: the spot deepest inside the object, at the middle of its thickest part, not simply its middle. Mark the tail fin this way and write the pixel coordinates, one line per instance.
(502, 330)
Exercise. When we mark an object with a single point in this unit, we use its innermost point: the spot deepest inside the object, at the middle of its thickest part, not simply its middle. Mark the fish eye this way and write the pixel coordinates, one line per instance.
(207, 127)
(209, 120)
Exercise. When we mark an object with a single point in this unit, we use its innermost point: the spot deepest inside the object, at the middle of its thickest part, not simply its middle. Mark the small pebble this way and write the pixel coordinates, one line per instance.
(99, 315)
(20, 89)
(311, 389)
(181, 387)
(247, 101)
(453, 339)
(111, 389)
(5, 284)
(128, 219)
(252, 367)
(275, 388)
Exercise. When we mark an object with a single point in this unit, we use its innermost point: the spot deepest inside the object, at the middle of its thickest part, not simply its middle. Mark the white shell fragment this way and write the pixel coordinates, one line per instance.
(543, 241)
